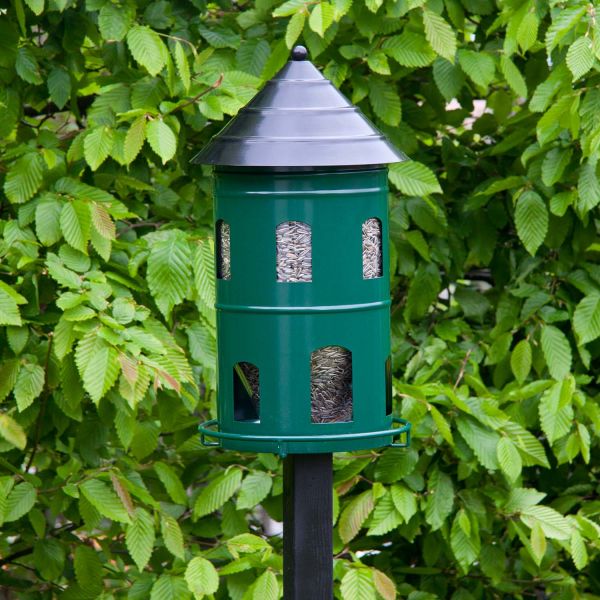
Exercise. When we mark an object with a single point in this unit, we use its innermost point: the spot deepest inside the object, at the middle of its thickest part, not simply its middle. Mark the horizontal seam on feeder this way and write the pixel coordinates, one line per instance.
(303, 309)
(269, 139)
(301, 193)
(333, 109)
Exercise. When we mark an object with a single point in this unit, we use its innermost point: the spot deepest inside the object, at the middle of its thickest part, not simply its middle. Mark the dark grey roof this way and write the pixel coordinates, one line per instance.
(299, 119)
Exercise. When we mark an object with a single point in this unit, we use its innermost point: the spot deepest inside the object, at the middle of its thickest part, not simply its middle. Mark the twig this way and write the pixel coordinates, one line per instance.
(463, 366)
(214, 86)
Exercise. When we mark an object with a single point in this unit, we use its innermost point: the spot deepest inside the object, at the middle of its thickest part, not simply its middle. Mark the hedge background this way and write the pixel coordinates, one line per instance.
(107, 344)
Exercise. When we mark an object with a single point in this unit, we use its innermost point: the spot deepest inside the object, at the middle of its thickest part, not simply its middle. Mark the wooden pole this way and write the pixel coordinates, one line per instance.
(307, 527)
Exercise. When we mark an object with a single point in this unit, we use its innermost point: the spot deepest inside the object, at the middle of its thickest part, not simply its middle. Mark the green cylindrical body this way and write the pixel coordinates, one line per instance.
(277, 325)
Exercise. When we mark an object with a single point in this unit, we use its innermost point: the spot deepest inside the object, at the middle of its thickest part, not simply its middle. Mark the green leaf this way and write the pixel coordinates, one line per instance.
(169, 271)
(555, 418)
(294, 28)
(321, 18)
(30, 383)
(183, 68)
(201, 577)
(161, 139)
(440, 499)
(482, 440)
(554, 165)
(172, 536)
(358, 584)
(513, 76)
(520, 361)
(557, 352)
(98, 364)
(378, 62)
(509, 458)
(27, 66)
(442, 425)
(586, 319)
(564, 20)
(9, 370)
(414, 179)
(172, 483)
(104, 500)
(219, 37)
(88, 570)
(404, 501)
(409, 49)
(538, 542)
(553, 524)
(354, 515)
(139, 537)
(588, 187)
(527, 31)
(289, 8)
(580, 57)
(169, 587)
(147, 48)
(480, 67)
(49, 558)
(520, 499)
(114, 21)
(578, 549)
(19, 502)
(9, 307)
(24, 178)
(47, 220)
(59, 86)
(102, 222)
(75, 223)
(385, 517)
(531, 219)
(12, 432)
(217, 492)
(385, 101)
(37, 6)
(385, 587)
(134, 140)
(448, 77)
(255, 488)
(97, 146)
(465, 544)
(439, 34)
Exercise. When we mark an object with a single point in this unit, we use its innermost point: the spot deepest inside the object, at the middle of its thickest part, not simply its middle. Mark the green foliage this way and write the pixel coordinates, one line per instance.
(107, 329)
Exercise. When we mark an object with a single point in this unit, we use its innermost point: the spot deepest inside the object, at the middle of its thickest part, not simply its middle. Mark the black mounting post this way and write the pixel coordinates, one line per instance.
(307, 527)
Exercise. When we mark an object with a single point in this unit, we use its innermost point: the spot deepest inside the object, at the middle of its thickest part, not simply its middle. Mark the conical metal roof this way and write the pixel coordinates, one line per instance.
(299, 119)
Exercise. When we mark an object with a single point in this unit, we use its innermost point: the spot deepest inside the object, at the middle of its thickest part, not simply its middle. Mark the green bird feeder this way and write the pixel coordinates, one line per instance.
(303, 303)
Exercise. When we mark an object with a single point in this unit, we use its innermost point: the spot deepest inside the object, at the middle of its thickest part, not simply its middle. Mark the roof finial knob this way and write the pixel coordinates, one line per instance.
(299, 53)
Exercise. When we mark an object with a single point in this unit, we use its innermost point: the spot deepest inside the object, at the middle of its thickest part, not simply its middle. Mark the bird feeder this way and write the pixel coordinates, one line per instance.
(302, 276)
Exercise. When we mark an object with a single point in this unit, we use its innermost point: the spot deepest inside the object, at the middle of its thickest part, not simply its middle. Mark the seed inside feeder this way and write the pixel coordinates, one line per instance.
(331, 385)
(294, 252)
(223, 250)
(371, 249)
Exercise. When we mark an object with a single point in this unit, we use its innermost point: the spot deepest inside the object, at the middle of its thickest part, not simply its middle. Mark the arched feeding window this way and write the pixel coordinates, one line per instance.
(331, 385)
(294, 252)
(223, 238)
(246, 392)
(371, 249)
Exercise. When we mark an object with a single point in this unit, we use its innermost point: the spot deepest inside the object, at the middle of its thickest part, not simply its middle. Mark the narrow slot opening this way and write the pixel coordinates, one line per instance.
(294, 252)
(246, 392)
(223, 238)
(388, 386)
(371, 249)
(331, 385)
